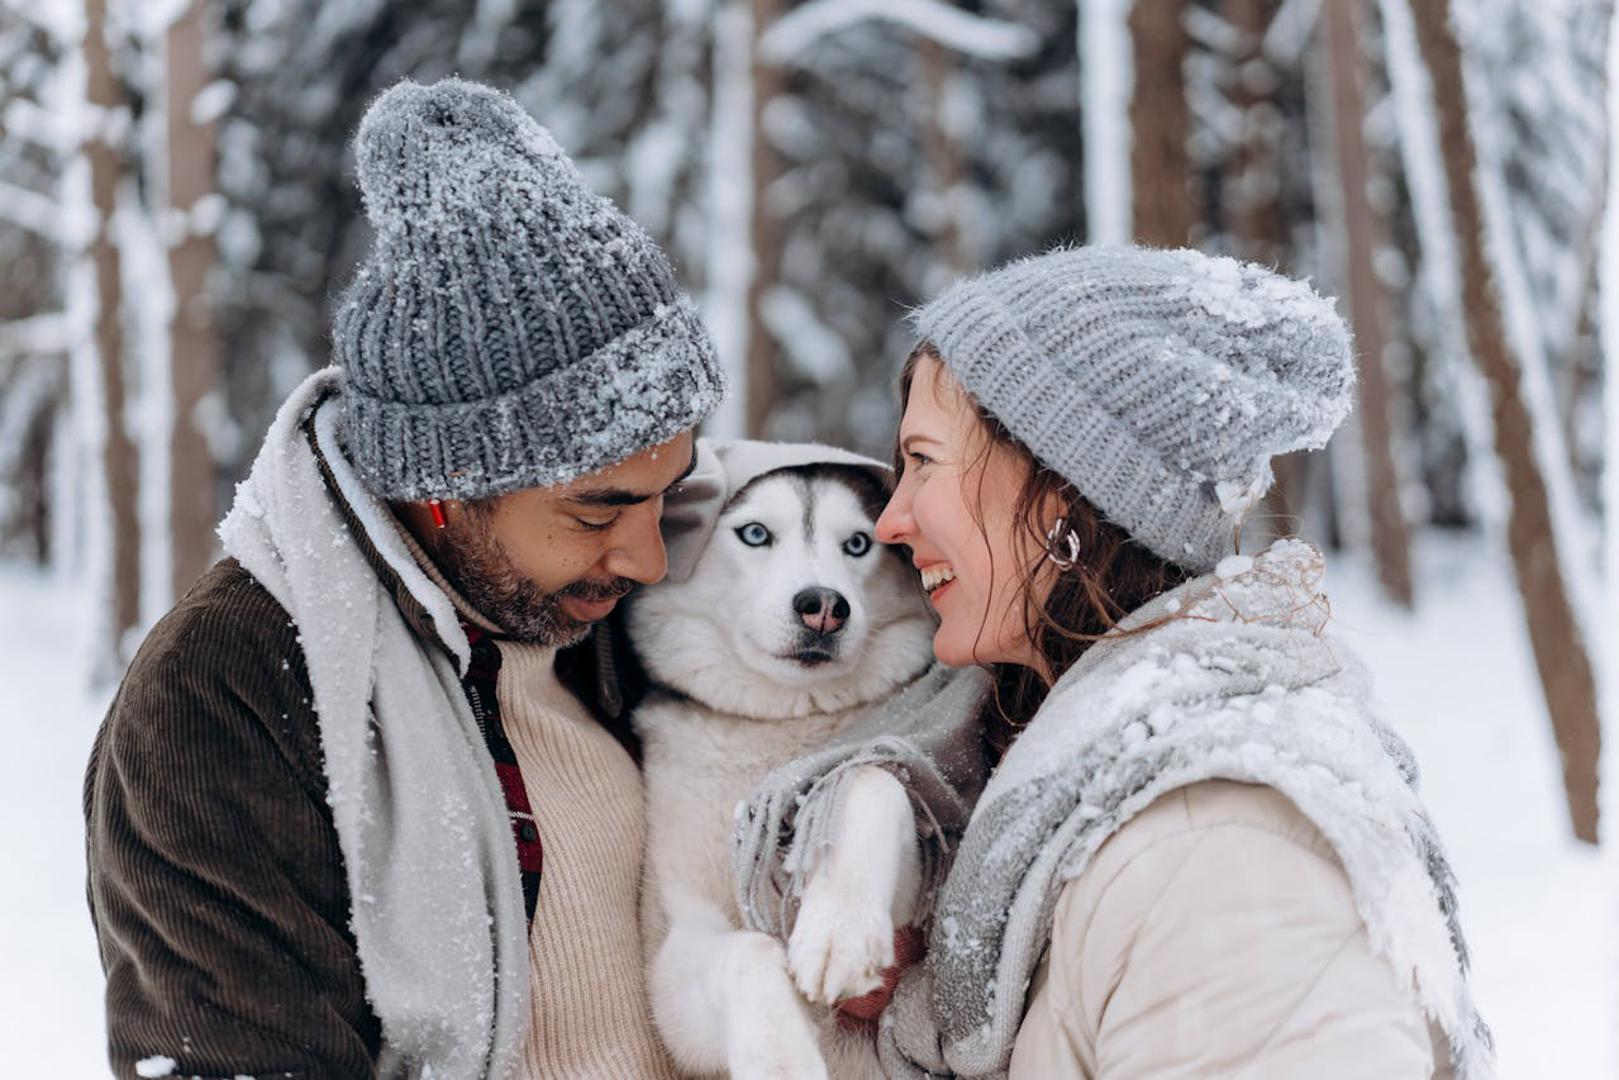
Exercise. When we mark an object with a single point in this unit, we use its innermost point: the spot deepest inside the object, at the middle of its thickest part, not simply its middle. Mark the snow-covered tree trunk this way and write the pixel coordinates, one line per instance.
(1364, 231)
(108, 123)
(33, 331)
(762, 380)
(1556, 636)
(193, 371)
(1608, 324)
(1253, 187)
(30, 396)
(731, 259)
(1257, 228)
(944, 158)
(1161, 206)
(1107, 83)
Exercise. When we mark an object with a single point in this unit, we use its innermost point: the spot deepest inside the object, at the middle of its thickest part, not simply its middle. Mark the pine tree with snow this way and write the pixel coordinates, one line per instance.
(33, 338)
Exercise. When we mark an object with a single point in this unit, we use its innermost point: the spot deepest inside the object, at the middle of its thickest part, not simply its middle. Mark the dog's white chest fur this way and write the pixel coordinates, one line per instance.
(699, 765)
(723, 998)
(792, 625)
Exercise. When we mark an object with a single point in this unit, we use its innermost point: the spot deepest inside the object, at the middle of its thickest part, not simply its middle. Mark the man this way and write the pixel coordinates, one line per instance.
(350, 814)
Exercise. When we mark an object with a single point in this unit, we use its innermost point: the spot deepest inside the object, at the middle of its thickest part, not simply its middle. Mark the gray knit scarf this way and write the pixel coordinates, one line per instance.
(928, 735)
(437, 907)
(1236, 682)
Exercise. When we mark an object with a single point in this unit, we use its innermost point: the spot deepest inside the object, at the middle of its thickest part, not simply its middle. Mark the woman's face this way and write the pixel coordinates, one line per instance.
(955, 508)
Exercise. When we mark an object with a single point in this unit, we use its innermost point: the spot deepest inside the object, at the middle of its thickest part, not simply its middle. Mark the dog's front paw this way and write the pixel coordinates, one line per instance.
(842, 941)
(768, 1054)
(770, 1034)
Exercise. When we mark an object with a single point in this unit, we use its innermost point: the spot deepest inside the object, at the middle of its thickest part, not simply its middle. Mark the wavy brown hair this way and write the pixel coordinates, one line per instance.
(1113, 575)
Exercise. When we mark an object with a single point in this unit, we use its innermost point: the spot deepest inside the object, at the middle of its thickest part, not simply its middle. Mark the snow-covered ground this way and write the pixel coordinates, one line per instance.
(50, 975)
(1540, 910)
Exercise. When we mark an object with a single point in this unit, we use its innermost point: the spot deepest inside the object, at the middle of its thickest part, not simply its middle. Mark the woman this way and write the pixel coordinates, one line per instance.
(1201, 854)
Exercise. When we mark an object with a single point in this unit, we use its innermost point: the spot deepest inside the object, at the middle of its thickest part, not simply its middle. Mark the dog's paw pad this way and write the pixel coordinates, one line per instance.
(839, 947)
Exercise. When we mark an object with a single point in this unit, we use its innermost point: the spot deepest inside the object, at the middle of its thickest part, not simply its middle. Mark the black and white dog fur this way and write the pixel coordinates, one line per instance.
(792, 624)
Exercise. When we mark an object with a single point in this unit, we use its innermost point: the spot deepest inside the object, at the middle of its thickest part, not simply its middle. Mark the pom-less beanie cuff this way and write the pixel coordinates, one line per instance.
(638, 391)
(1090, 449)
(1158, 383)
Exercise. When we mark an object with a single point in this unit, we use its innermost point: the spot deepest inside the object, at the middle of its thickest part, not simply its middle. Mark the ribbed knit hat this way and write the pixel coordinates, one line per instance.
(508, 328)
(1158, 383)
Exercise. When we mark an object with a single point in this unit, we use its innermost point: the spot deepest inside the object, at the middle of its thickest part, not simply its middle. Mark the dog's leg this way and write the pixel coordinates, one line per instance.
(723, 1001)
(866, 884)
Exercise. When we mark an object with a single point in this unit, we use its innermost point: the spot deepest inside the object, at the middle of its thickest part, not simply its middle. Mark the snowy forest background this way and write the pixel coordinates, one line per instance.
(177, 212)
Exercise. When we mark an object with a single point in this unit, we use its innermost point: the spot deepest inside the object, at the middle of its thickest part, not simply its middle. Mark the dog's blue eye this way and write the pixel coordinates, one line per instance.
(754, 534)
(857, 545)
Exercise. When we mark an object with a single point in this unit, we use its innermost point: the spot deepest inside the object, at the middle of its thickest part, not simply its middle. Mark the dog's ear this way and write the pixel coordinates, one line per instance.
(691, 511)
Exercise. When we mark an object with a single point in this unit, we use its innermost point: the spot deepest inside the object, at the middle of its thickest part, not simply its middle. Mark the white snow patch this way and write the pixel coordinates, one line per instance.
(1440, 273)
(144, 273)
(1107, 79)
(1238, 499)
(813, 349)
(156, 1065)
(33, 212)
(212, 102)
(1458, 682)
(1290, 31)
(730, 207)
(51, 989)
(972, 35)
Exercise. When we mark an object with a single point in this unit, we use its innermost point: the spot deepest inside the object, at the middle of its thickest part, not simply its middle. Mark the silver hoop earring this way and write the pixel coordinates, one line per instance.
(1070, 540)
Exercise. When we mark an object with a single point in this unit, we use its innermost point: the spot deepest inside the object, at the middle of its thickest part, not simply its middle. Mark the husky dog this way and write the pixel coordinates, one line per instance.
(791, 622)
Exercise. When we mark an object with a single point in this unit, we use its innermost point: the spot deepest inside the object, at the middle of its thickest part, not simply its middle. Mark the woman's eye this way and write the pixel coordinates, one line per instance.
(919, 459)
(857, 545)
(753, 534)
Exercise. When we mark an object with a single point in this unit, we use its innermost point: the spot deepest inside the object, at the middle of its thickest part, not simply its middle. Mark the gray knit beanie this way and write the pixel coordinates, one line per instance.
(1158, 383)
(509, 328)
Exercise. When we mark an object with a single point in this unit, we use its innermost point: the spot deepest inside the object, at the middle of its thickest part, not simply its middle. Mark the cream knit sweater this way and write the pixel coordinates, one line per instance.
(589, 1012)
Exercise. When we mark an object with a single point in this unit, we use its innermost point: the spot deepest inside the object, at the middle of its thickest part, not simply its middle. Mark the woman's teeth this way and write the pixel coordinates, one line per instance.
(934, 576)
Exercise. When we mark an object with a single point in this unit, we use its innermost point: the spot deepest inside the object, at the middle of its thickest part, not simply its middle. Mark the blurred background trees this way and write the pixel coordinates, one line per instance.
(177, 215)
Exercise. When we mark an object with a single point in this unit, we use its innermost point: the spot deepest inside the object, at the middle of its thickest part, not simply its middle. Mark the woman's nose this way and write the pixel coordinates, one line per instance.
(895, 525)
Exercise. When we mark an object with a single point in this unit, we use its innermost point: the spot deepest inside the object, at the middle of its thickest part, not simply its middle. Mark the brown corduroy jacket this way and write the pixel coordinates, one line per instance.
(216, 882)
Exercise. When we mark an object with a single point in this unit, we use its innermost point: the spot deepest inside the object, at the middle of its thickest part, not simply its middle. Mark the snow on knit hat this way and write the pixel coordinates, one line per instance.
(508, 328)
(1158, 383)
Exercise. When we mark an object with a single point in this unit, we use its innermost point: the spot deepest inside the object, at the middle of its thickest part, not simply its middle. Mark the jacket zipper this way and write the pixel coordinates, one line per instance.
(476, 699)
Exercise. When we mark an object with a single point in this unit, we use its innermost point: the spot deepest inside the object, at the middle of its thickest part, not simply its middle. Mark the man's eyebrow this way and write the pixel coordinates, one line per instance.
(612, 497)
(691, 467)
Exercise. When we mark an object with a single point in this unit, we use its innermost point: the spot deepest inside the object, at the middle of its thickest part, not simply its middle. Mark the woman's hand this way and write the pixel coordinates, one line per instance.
(860, 1014)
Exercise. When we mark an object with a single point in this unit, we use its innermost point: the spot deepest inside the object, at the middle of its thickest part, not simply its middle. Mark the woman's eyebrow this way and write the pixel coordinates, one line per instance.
(917, 437)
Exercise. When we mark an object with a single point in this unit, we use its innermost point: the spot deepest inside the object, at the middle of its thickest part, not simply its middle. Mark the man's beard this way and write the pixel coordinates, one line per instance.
(476, 563)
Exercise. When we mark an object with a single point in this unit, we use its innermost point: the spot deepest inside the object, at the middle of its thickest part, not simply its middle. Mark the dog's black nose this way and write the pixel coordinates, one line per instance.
(822, 610)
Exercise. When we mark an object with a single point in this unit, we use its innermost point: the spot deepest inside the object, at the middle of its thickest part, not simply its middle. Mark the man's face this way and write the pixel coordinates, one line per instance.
(545, 563)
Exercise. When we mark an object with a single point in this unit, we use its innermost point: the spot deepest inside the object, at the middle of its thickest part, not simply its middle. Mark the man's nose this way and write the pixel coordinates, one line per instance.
(641, 557)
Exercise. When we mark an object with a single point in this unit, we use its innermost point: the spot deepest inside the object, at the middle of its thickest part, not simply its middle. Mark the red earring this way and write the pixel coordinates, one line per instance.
(437, 511)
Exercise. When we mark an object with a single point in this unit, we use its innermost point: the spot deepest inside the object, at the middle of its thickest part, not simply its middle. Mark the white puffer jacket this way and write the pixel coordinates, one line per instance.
(1215, 934)
(1205, 855)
